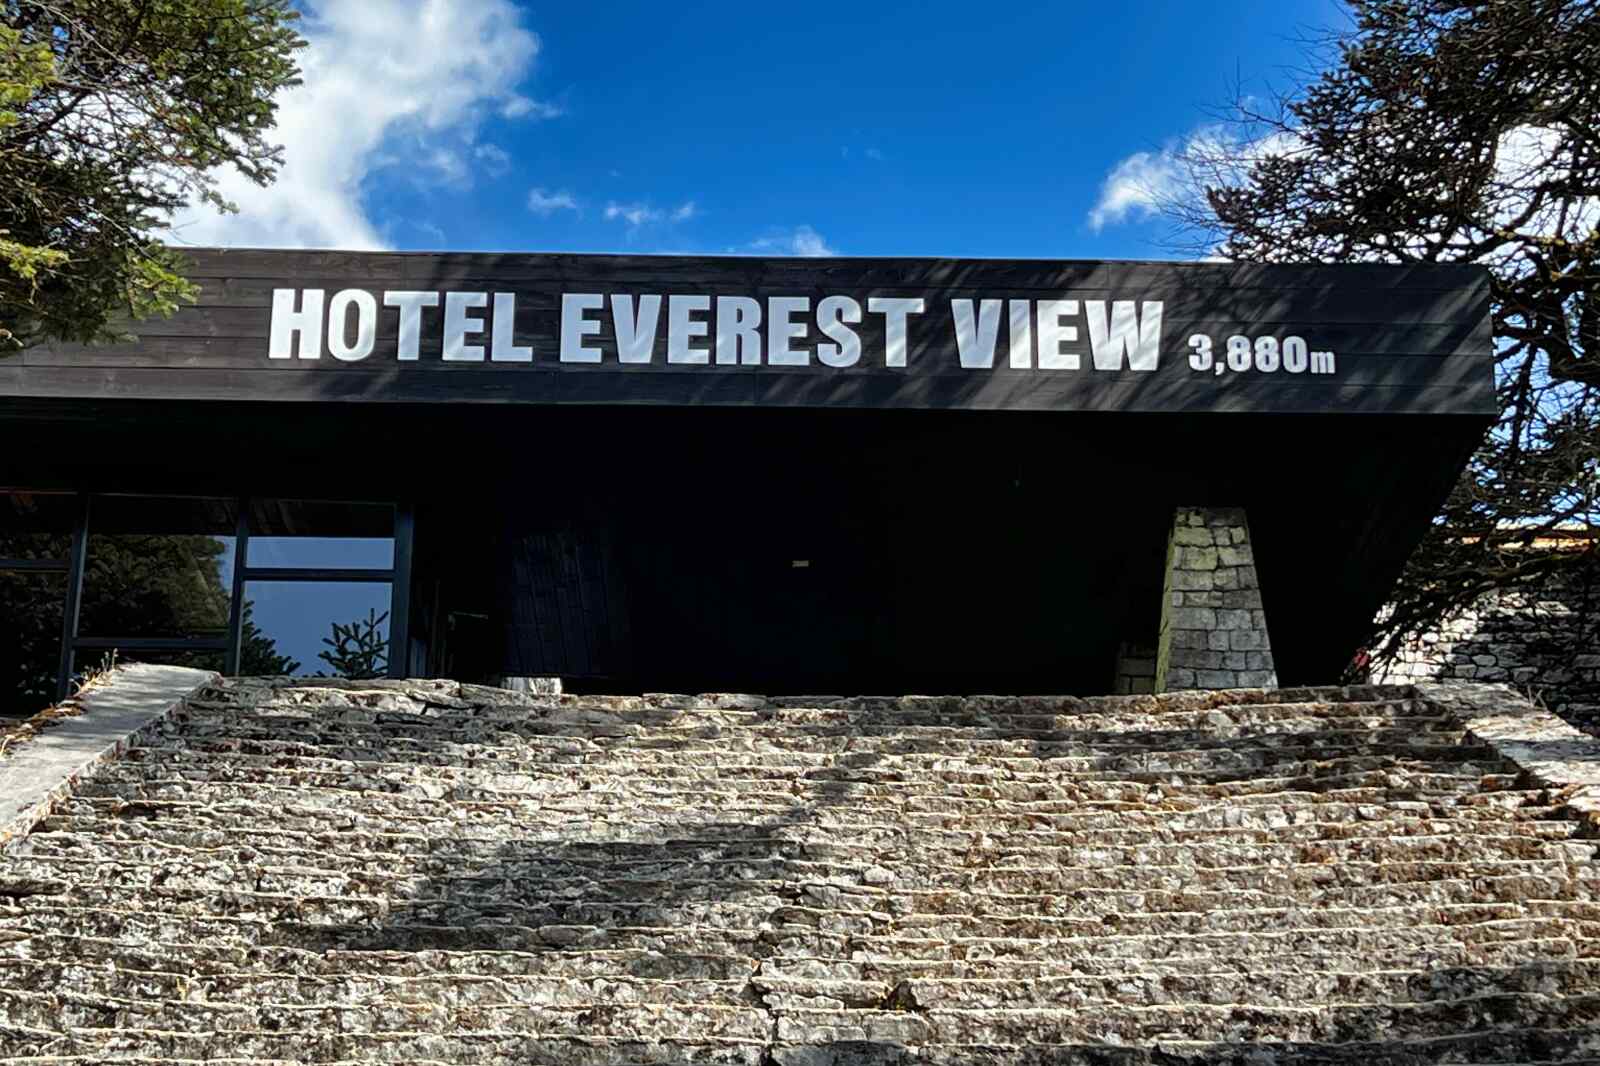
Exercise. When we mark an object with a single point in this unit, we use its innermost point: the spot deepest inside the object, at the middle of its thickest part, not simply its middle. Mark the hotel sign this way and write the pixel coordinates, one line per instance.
(698, 329)
(811, 333)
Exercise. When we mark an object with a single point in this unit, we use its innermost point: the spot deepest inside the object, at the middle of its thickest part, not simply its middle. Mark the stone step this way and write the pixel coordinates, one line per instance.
(914, 1025)
(1529, 890)
(795, 931)
(733, 906)
(432, 800)
(214, 956)
(378, 815)
(1207, 766)
(549, 986)
(480, 740)
(1319, 1023)
(709, 1022)
(269, 739)
(689, 877)
(483, 1049)
(426, 872)
(559, 872)
(361, 989)
(363, 855)
(1511, 1048)
(759, 755)
(1203, 850)
(926, 852)
(779, 712)
(1514, 960)
(1164, 811)
(105, 834)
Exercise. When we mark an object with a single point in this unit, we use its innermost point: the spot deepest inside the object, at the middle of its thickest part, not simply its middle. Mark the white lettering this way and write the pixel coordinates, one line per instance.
(339, 323)
(975, 340)
(1124, 334)
(894, 311)
(636, 334)
(782, 329)
(575, 327)
(738, 331)
(458, 326)
(1053, 334)
(410, 305)
(1021, 334)
(287, 324)
(832, 314)
(503, 346)
(681, 329)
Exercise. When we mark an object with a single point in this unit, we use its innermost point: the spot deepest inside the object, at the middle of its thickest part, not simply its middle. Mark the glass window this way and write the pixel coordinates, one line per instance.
(310, 534)
(158, 567)
(30, 640)
(34, 527)
(306, 628)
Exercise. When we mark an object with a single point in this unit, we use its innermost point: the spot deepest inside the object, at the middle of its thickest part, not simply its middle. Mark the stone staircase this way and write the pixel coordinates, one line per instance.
(430, 872)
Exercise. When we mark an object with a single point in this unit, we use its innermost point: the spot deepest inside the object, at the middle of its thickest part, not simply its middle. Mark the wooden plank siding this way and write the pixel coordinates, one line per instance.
(1412, 339)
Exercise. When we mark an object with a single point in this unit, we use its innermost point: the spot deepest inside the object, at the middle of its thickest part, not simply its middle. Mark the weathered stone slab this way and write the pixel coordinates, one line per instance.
(111, 716)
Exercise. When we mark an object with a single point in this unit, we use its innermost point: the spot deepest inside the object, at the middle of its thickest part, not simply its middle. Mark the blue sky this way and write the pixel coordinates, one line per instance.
(929, 128)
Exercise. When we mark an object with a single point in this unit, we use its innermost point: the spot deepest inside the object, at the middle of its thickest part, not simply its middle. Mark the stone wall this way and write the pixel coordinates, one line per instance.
(1544, 640)
(1213, 628)
(1136, 670)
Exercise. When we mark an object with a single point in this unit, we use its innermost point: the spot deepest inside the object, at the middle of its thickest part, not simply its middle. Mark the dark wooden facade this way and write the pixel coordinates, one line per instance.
(870, 528)
(1408, 339)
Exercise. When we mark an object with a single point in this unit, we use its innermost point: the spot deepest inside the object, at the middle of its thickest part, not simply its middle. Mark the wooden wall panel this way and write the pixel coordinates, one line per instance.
(1407, 339)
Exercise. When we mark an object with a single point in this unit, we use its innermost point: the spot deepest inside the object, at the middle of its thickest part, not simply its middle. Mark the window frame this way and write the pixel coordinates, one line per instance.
(397, 576)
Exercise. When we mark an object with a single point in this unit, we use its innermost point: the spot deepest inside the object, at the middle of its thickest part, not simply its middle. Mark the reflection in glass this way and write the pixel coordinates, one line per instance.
(339, 553)
(30, 640)
(337, 629)
(310, 534)
(155, 585)
(34, 527)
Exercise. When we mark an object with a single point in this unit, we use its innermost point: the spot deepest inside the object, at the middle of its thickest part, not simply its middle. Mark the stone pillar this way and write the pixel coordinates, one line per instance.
(1213, 630)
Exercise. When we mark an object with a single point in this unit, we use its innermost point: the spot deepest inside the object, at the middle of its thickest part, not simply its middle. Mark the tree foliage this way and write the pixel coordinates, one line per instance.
(113, 115)
(358, 649)
(1446, 131)
(157, 585)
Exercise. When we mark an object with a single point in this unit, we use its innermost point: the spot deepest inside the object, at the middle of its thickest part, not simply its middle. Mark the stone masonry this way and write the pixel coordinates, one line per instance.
(1543, 639)
(286, 871)
(1135, 671)
(1213, 630)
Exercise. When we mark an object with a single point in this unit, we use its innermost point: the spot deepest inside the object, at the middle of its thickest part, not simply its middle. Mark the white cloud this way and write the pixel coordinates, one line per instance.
(1145, 182)
(545, 202)
(639, 213)
(632, 214)
(494, 160)
(519, 106)
(801, 241)
(1528, 160)
(384, 81)
(444, 166)
(1137, 187)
